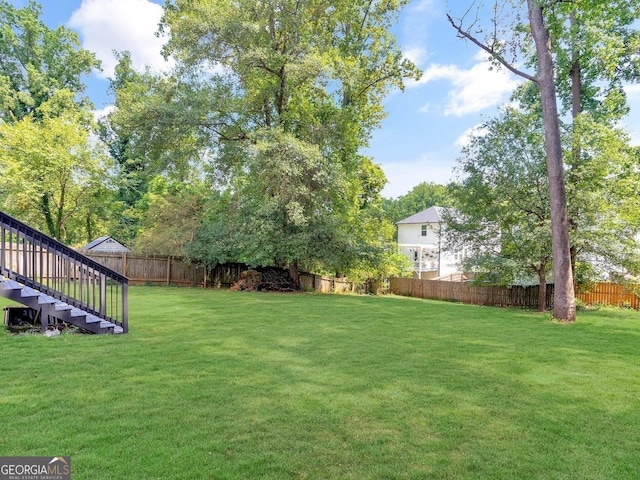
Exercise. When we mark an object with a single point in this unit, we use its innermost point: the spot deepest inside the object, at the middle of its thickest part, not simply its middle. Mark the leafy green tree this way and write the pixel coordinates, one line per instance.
(421, 197)
(603, 217)
(280, 212)
(51, 173)
(507, 234)
(36, 62)
(52, 176)
(508, 231)
(277, 98)
(171, 212)
(594, 56)
(135, 167)
(564, 35)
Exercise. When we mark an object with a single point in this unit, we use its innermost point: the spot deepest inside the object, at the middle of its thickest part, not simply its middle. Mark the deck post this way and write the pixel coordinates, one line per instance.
(103, 294)
(125, 307)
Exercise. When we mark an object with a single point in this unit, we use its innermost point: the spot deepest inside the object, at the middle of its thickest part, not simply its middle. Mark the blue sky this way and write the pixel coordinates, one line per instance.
(427, 124)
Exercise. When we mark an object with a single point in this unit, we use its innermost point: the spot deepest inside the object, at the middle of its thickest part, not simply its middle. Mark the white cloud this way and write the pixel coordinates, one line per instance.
(108, 25)
(402, 176)
(464, 139)
(415, 30)
(426, 108)
(98, 114)
(474, 89)
(422, 5)
(633, 91)
(416, 55)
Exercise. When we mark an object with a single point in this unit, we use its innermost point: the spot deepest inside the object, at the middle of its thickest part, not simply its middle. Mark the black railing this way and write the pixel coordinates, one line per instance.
(45, 264)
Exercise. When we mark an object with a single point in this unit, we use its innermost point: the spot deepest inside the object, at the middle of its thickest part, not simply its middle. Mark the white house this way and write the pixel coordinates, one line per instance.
(420, 238)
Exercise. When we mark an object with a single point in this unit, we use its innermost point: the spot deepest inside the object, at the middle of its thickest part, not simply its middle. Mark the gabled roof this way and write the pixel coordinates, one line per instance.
(101, 240)
(94, 243)
(430, 215)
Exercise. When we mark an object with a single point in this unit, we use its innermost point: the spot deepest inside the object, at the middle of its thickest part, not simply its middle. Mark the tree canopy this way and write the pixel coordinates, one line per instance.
(559, 38)
(36, 62)
(52, 176)
(272, 102)
(51, 172)
(421, 197)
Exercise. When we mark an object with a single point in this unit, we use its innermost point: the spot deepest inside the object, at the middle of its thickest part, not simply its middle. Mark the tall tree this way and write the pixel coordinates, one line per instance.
(550, 26)
(279, 97)
(51, 172)
(36, 61)
(594, 56)
(139, 154)
(52, 175)
(564, 304)
(564, 297)
(507, 234)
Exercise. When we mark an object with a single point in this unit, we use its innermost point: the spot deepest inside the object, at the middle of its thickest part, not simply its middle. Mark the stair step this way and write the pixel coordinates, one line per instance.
(10, 285)
(29, 292)
(82, 317)
(92, 319)
(46, 299)
(59, 307)
(76, 312)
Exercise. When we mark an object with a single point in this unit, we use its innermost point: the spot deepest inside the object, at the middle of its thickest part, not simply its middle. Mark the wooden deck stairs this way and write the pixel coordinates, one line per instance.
(59, 283)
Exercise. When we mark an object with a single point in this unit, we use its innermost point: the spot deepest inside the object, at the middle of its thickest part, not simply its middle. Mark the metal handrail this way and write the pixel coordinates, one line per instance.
(41, 262)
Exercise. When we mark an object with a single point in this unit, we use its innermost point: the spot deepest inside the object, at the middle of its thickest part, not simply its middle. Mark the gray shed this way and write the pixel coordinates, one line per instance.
(106, 245)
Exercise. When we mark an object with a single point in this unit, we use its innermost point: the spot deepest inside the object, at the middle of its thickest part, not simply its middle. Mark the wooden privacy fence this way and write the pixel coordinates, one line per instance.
(141, 269)
(511, 296)
(610, 294)
(161, 270)
(317, 283)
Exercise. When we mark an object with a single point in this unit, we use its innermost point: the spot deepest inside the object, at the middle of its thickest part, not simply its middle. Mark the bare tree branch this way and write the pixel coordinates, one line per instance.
(466, 35)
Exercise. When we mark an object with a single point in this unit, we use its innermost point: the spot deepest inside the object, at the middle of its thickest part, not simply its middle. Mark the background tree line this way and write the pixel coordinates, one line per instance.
(249, 149)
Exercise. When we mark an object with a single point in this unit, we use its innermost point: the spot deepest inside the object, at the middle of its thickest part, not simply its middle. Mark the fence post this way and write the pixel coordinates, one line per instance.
(124, 264)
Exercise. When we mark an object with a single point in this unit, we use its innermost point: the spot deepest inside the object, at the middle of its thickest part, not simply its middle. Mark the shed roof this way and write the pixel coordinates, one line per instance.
(94, 243)
(100, 240)
(430, 215)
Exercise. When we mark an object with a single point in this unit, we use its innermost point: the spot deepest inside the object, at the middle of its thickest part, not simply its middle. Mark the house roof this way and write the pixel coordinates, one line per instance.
(100, 240)
(430, 215)
(94, 243)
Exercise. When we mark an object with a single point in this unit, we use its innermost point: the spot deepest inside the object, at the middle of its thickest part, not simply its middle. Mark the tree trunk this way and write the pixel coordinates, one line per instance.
(564, 306)
(542, 291)
(294, 274)
(45, 206)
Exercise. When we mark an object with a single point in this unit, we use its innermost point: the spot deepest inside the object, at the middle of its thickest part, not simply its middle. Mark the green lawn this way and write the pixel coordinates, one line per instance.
(232, 385)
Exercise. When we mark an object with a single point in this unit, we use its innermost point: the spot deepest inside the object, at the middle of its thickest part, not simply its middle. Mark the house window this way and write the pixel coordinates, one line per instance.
(423, 231)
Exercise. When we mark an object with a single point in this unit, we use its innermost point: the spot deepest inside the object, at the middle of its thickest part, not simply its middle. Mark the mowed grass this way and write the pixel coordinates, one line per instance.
(232, 385)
